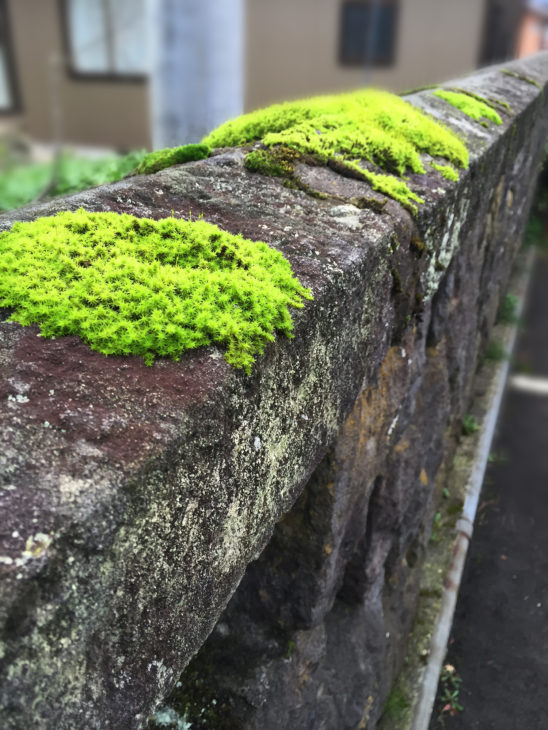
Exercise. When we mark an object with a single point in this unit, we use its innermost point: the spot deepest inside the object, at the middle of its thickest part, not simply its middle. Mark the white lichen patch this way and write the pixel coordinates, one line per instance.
(449, 245)
(72, 488)
(347, 215)
(35, 547)
(167, 717)
(18, 398)
(393, 426)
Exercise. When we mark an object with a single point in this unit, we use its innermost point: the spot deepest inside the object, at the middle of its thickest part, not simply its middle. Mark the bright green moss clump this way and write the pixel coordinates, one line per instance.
(130, 285)
(448, 172)
(160, 159)
(469, 105)
(372, 127)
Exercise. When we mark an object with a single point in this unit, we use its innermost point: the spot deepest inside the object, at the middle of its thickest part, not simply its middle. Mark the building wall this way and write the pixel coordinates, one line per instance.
(90, 112)
(293, 47)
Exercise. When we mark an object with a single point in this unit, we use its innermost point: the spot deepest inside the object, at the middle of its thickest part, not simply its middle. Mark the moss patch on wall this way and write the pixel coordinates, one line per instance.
(448, 172)
(373, 135)
(134, 286)
(473, 106)
(521, 77)
(494, 103)
(160, 159)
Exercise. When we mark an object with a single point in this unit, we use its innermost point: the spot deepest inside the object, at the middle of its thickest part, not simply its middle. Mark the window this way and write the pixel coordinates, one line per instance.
(8, 95)
(368, 32)
(106, 38)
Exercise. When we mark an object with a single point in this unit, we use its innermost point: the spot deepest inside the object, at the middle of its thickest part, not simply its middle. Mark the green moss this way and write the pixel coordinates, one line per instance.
(416, 89)
(448, 172)
(493, 103)
(376, 204)
(473, 107)
(504, 104)
(521, 77)
(469, 425)
(496, 351)
(507, 312)
(396, 705)
(130, 285)
(160, 159)
(397, 282)
(291, 646)
(371, 135)
(418, 246)
(277, 163)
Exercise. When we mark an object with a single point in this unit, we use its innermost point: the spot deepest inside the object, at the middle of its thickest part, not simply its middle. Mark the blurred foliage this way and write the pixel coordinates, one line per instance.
(22, 183)
(536, 232)
(508, 310)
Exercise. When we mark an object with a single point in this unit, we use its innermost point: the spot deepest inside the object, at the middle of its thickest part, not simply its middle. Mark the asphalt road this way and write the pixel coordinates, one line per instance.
(499, 644)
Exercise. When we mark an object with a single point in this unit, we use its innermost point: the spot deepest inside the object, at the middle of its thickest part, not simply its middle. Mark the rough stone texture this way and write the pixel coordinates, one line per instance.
(134, 498)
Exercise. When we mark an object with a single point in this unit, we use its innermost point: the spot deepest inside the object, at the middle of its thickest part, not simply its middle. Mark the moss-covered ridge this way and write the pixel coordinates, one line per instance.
(371, 134)
(470, 104)
(160, 159)
(130, 285)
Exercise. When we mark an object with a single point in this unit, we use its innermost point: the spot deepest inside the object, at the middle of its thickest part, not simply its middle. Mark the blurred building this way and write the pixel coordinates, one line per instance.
(79, 70)
(533, 35)
(500, 30)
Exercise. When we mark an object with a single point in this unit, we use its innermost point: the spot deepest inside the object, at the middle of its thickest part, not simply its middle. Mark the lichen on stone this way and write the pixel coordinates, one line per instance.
(373, 135)
(129, 285)
(473, 106)
(160, 159)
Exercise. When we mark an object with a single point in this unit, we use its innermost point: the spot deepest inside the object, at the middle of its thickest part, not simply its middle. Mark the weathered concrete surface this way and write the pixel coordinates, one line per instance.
(134, 498)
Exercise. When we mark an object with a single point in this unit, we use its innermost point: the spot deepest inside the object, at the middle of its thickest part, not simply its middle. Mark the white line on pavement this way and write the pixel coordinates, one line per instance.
(529, 384)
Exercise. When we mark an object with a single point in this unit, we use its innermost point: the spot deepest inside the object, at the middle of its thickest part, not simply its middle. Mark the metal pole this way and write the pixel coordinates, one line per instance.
(197, 67)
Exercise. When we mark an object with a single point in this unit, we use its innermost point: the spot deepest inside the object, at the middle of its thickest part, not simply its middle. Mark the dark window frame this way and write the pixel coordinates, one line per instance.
(6, 39)
(385, 61)
(92, 76)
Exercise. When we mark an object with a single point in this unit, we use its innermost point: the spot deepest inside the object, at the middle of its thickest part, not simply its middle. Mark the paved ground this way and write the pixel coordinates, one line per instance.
(499, 643)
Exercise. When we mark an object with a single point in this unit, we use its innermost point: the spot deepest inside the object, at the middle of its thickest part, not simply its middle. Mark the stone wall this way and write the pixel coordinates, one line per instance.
(135, 500)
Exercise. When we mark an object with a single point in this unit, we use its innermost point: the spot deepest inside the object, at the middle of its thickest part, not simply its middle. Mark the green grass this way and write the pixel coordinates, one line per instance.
(129, 285)
(21, 184)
